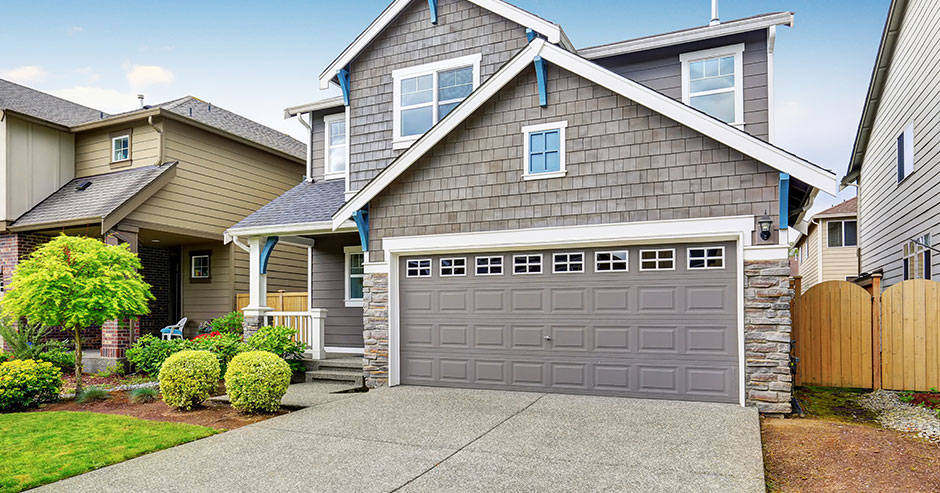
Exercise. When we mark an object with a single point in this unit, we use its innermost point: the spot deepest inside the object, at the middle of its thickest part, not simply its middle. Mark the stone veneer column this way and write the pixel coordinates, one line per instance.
(375, 329)
(767, 328)
(117, 336)
(253, 320)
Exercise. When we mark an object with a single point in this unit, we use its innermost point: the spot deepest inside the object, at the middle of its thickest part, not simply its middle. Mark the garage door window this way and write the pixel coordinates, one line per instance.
(568, 263)
(527, 264)
(615, 261)
(489, 266)
(707, 258)
(419, 268)
(452, 267)
(658, 259)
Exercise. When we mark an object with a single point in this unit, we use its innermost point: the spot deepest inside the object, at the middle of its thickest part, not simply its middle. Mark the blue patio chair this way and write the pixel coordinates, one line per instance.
(170, 331)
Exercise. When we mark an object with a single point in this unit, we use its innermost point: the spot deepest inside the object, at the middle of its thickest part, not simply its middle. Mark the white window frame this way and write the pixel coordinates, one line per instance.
(527, 264)
(907, 167)
(914, 249)
(121, 137)
(408, 269)
(735, 50)
(399, 142)
(452, 266)
(347, 274)
(489, 265)
(568, 262)
(192, 267)
(706, 258)
(327, 120)
(526, 130)
(657, 250)
(626, 261)
(842, 233)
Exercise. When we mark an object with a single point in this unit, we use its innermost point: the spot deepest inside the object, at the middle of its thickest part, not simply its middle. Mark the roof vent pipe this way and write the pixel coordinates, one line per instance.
(714, 21)
(140, 99)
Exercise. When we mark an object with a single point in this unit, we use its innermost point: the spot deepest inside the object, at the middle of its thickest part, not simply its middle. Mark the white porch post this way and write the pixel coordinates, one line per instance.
(317, 333)
(257, 287)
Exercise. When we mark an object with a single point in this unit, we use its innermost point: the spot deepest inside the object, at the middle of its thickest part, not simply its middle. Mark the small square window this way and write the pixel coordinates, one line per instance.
(120, 148)
(418, 268)
(452, 267)
(527, 264)
(489, 266)
(664, 259)
(200, 263)
(707, 258)
(612, 261)
(544, 150)
(568, 262)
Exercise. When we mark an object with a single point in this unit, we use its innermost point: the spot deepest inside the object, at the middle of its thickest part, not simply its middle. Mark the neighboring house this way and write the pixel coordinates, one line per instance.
(514, 213)
(829, 249)
(895, 161)
(167, 179)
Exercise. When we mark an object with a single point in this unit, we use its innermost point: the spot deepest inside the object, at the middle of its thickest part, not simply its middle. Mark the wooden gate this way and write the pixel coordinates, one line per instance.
(832, 327)
(910, 335)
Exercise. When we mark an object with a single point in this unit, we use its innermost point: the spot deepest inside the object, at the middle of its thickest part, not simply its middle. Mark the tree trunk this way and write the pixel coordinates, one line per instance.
(78, 360)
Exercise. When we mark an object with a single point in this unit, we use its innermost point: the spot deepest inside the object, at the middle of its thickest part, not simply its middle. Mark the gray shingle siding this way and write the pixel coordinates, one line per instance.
(317, 141)
(624, 164)
(462, 29)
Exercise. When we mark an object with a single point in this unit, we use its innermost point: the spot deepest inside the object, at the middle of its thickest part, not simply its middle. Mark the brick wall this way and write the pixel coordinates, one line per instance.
(767, 330)
(156, 272)
(117, 336)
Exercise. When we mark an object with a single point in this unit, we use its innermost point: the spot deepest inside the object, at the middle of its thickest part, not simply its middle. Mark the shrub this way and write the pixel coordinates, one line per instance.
(256, 381)
(149, 352)
(115, 370)
(92, 394)
(223, 345)
(25, 383)
(4, 357)
(281, 341)
(188, 377)
(24, 340)
(230, 323)
(63, 360)
(143, 395)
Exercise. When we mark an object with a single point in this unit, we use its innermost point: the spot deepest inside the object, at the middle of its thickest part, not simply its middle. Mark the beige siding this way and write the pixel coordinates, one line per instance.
(93, 149)
(809, 266)
(838, 262)
(202, 301)
(891, 213)
(287, 269)
(218, 181)
(36, 160)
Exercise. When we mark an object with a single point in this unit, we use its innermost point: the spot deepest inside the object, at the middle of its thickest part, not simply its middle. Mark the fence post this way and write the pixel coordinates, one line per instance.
(876, 331)
(797, 286)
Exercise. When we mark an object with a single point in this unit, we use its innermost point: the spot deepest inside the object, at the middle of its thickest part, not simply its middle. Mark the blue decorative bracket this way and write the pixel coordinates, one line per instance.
(266, 252)
(343, 76)
(530, 34)
(361, 217)
(784, 200)
(540, 75)
(432, 4)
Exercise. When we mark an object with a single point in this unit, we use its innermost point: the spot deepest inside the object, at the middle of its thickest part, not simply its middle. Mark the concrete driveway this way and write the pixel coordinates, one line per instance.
(433, 439)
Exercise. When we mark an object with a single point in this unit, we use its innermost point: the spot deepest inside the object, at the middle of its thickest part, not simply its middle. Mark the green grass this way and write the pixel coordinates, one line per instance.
(41, 447)
(832, 403)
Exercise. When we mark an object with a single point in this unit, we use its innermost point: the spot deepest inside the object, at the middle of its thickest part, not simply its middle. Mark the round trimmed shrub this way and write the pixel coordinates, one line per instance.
(25, 383)
(188, 377)
(256, 381)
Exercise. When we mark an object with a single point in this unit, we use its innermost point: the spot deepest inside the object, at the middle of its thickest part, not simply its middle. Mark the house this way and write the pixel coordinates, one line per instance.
(515, 213)
(166, 179)
(829, 249)
(894, 162)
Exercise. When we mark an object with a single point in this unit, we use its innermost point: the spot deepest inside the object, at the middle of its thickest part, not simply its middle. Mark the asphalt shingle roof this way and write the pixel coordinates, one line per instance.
(106, 193)
(305, 203)
(848, 207)
(45, 106)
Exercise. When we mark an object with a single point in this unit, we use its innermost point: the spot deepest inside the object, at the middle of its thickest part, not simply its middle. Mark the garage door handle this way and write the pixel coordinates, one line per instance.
(548, 338)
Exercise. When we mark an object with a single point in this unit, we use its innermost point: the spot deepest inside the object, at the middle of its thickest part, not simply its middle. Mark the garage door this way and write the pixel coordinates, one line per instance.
(650, 321)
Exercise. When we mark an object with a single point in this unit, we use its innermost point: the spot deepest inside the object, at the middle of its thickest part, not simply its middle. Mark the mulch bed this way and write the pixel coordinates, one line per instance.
(212, 414)
(926, 399)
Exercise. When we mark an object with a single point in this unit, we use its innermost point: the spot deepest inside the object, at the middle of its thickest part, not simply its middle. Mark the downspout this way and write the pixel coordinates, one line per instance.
(771, 40)
(309, 126)
(160, 133)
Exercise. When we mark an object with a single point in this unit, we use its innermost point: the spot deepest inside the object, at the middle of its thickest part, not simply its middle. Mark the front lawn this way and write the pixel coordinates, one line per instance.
(39, 448)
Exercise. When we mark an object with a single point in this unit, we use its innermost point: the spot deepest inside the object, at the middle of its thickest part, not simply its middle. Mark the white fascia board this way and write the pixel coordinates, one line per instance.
(323, 104)
(439, 131)
(549, 30)
(698, 229)
(767, 252)
(319, 227)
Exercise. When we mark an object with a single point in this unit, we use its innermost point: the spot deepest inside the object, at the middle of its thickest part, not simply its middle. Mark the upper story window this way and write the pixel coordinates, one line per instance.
(712, 82)
(906, 152)
(916, 259)
(335, 145)
(544, 150)
(842, 233)
(120, 147)
(425, 94)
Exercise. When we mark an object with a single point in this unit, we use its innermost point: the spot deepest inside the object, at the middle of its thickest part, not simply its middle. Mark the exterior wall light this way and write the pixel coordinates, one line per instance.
(765, 222)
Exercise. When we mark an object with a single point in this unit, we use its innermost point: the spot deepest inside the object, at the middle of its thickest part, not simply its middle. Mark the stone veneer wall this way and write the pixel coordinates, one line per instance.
(375, 329)
(767, 329)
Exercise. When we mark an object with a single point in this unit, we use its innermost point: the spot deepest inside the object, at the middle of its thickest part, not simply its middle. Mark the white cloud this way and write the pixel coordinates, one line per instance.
(76, 30)
(88, 73)
(107, 100)
(24, 75)
(141, 76)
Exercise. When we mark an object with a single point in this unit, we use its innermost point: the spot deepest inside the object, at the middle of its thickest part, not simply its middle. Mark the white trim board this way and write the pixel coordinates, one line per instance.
(551, 31)
(320, 227)
(675, 110)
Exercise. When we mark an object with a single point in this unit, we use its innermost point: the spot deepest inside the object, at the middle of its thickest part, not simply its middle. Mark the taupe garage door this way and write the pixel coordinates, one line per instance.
(652, 321)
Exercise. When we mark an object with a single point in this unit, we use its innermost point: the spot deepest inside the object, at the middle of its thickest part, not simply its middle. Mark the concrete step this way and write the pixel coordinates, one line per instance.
(354, 377)
(340, 363)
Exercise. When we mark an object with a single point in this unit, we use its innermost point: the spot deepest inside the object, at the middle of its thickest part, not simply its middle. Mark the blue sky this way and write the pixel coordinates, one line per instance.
(256, 58)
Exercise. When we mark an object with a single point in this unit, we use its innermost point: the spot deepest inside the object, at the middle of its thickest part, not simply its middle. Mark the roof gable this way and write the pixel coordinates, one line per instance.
(552, 32)
(46, 107)
(659, 103)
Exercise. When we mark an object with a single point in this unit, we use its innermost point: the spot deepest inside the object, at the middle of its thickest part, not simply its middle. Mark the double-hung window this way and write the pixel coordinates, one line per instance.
(916, 260)
(335, 145)
(906, 152)
(712, 82)
(120, 146)
(842, 233)
(425, 94)
(200, 265)
(544, 150)
(354, 274)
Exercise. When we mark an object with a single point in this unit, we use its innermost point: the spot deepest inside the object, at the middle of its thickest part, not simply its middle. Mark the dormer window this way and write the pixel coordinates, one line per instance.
(120, 147)
(425, 94)
(712, 82)
(336, 144)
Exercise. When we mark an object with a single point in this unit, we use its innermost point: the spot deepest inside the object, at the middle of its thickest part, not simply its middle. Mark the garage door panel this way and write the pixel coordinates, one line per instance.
(611, 300)
(527, 373)
(570, 375)
(658, 339)
(455, 335)
(455, 370)
(527, 300)
(708, 298)
(570, 300)
(709, 340)
(527, 337)
(612, 338)
(417, 301)
(416, 334)
(661, 299)
(489, 300)
(489, 336)
(708, 381)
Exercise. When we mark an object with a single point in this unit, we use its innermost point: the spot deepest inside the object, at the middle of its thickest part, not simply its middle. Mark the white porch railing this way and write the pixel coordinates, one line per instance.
(310, 326)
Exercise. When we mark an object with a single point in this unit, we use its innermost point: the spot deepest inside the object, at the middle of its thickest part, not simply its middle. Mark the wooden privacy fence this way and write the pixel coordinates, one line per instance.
(279, 302)
(847, 337)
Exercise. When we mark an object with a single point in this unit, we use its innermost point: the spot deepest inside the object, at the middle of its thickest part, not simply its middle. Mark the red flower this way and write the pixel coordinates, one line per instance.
(211, 334)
